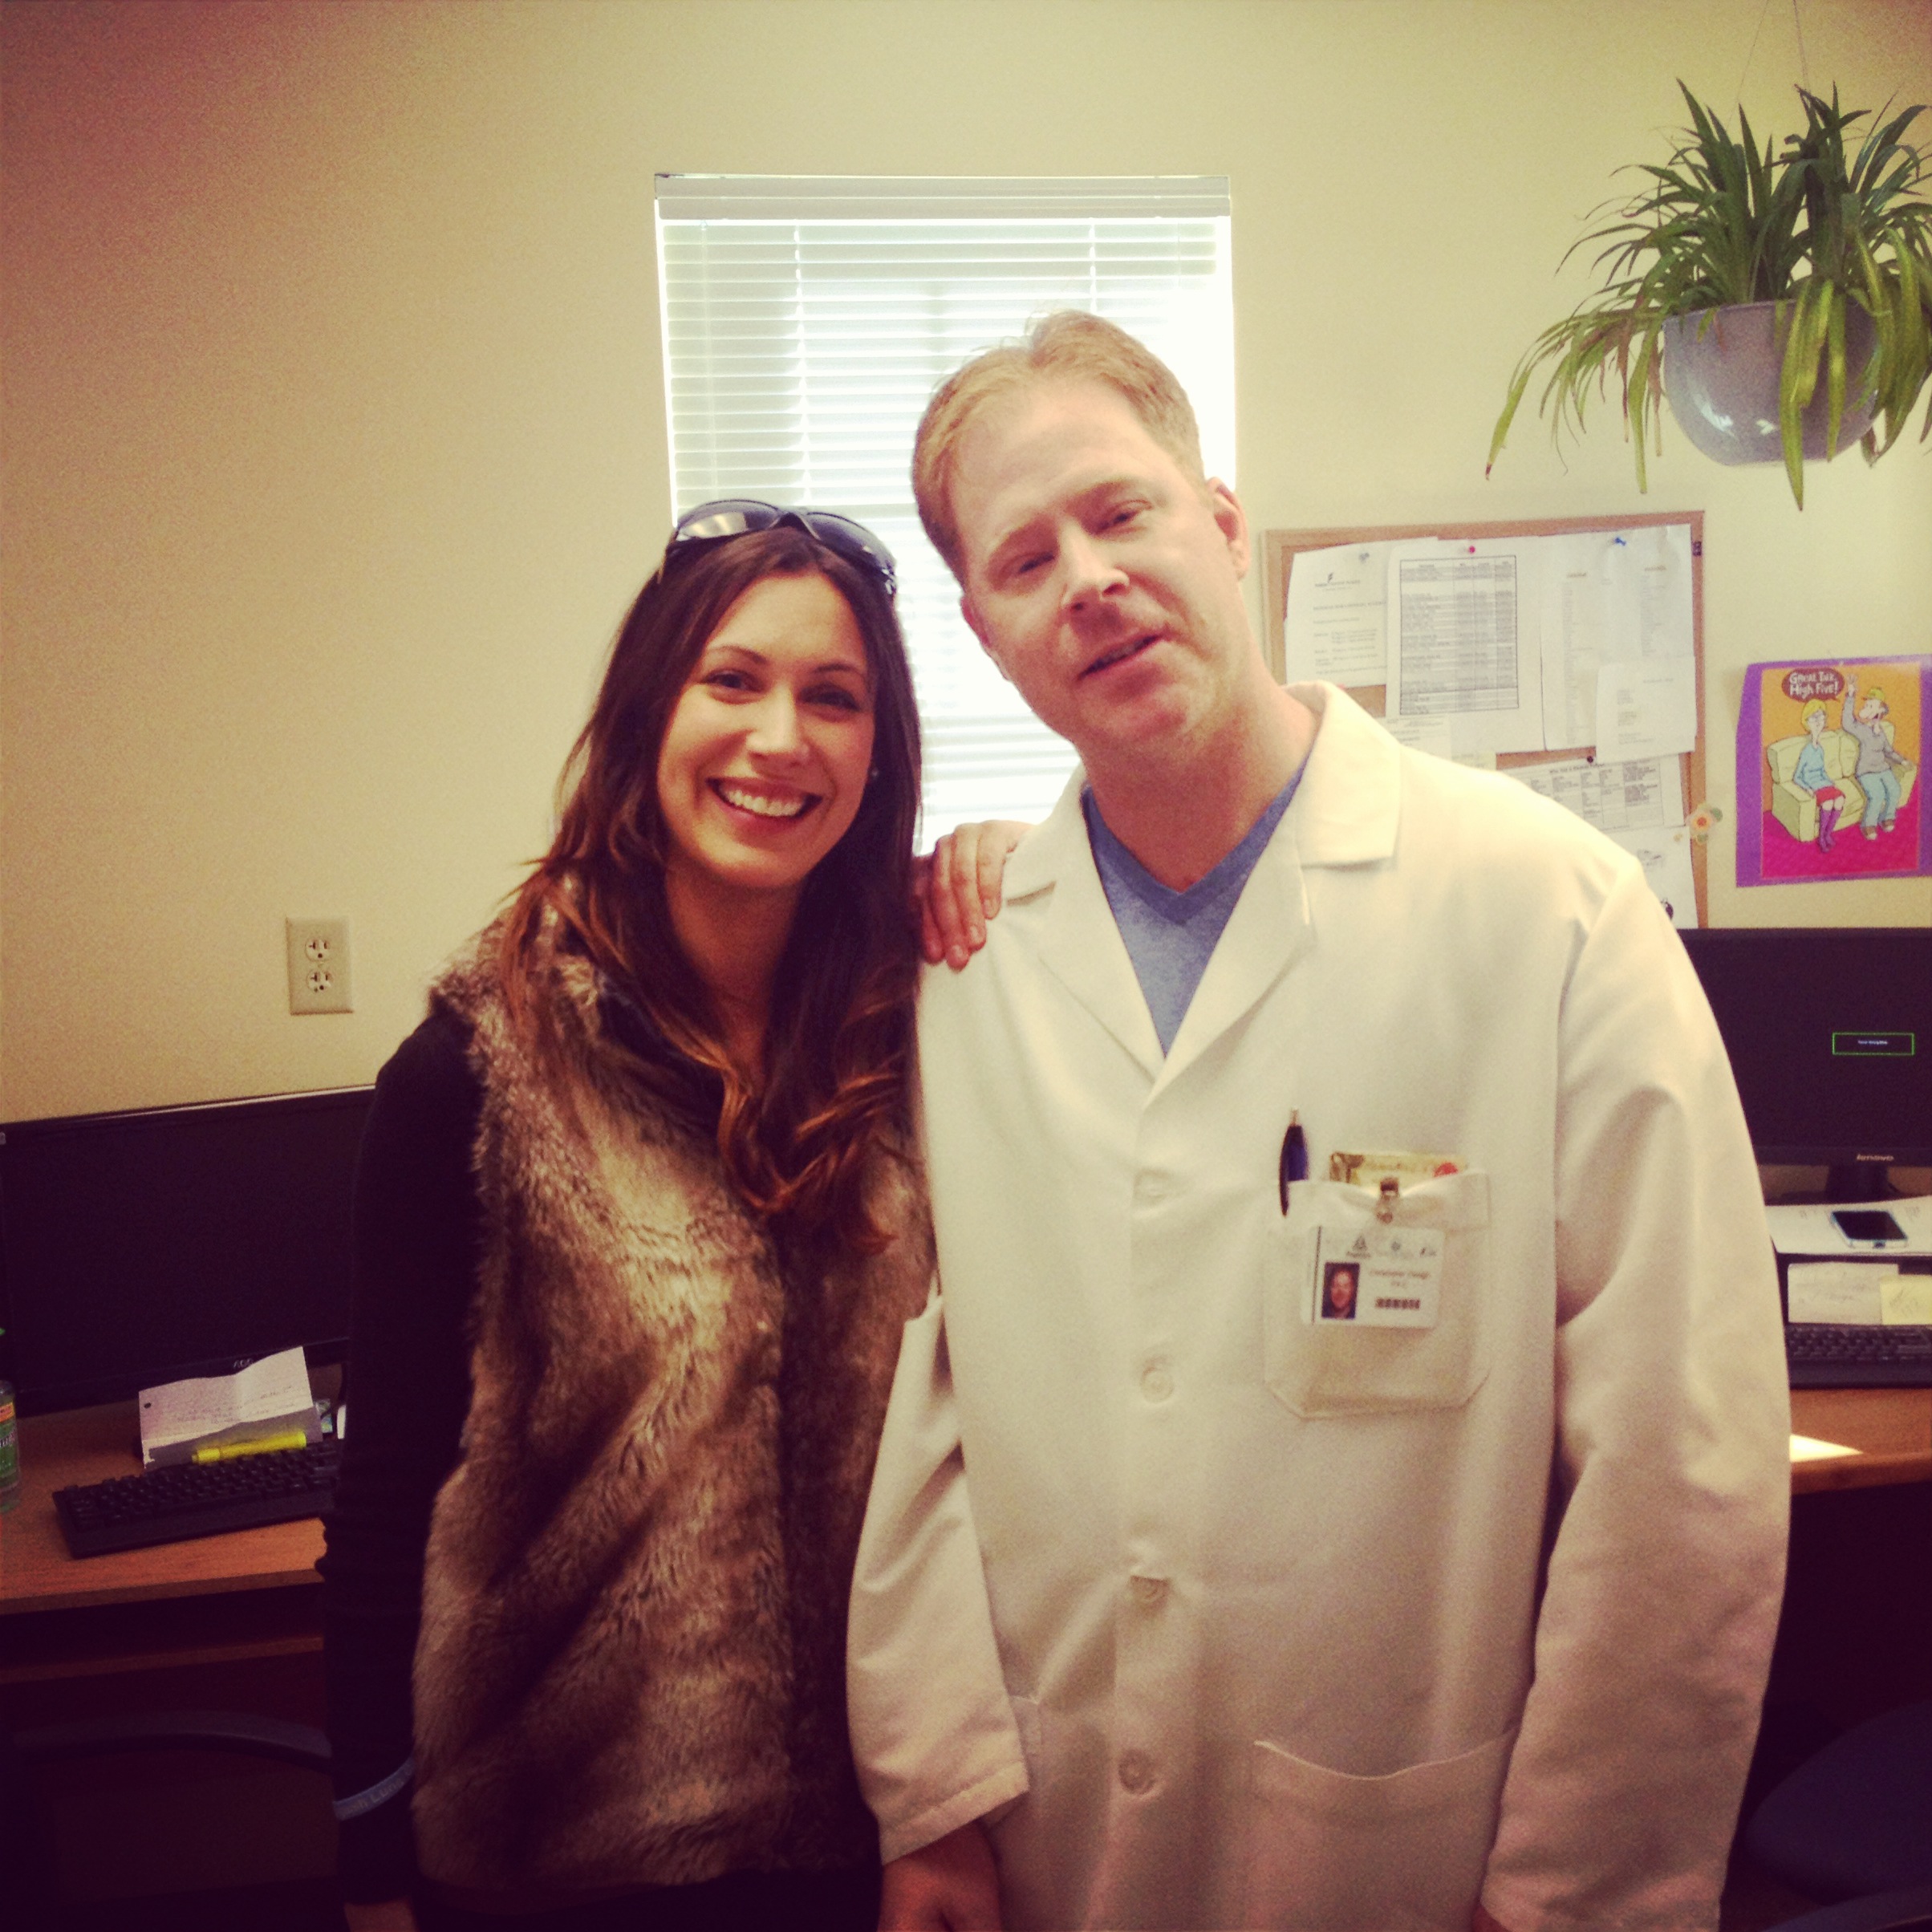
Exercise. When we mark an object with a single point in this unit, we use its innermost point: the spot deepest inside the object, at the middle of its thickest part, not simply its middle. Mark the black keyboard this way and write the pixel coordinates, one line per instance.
(1829, 1355)
(197, 1500)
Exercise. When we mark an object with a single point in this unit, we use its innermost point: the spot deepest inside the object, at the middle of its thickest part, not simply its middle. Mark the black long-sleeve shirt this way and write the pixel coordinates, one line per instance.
(417, 1229)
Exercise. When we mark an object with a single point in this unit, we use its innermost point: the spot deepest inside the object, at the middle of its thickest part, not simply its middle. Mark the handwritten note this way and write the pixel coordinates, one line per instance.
(1646, 709)
(177, 1417)
(1847, 1293)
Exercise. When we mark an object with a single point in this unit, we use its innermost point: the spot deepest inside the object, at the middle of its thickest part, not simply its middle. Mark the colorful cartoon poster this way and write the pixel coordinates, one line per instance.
(1829, 783)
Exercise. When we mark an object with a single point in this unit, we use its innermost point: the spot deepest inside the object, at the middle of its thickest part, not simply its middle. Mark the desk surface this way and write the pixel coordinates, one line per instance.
(88, 1446)
(1891, 1430)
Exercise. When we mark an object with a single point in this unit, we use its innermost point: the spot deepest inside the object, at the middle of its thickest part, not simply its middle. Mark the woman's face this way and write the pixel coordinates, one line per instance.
(1814, 723)
(764, 758)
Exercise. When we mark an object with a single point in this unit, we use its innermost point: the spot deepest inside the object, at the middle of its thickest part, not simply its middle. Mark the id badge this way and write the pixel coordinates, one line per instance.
(1377, 1277)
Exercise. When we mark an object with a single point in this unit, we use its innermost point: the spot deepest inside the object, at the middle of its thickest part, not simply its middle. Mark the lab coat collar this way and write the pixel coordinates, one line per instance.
(1081, 944)
(1345, 812)
(1348, 804)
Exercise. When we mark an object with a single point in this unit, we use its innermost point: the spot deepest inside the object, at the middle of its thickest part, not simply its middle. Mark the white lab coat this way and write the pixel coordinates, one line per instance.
(1247, 1608)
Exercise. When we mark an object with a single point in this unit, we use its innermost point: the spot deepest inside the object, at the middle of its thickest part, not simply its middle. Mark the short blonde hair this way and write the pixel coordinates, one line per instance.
(1068, 346)
(1877, 696)
(1814, 709)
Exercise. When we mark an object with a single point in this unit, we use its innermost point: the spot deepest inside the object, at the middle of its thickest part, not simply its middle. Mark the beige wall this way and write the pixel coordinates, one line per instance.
(334, 437)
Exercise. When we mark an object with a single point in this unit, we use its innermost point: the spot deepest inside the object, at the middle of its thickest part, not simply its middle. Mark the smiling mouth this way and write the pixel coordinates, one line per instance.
(1131, 648)
(764, 805)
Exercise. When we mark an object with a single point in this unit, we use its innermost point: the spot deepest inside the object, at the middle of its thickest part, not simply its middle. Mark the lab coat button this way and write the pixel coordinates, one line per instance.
(1149, 1188)
(1149, 1589)
(1156, 1382)
(1136, 1770)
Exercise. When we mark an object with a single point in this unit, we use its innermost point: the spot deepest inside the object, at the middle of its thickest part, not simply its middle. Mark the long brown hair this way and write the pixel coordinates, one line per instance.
(838, 1040)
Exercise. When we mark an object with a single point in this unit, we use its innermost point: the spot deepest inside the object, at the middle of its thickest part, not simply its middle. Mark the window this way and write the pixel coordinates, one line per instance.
(806, 323)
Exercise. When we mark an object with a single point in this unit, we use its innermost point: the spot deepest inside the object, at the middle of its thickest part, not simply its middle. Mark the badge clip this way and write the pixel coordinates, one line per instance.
(1386, 1196)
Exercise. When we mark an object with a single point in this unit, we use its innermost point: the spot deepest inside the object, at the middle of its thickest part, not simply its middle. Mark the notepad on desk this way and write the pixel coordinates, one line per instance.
(269, 1398)
(1865, 1294)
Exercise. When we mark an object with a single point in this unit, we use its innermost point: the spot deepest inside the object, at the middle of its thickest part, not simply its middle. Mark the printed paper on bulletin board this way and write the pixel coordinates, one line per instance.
(1830, 753)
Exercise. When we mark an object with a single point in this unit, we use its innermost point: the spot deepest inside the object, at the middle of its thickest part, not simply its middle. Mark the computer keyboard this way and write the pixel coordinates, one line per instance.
(196, 1499)
(1831, 1355)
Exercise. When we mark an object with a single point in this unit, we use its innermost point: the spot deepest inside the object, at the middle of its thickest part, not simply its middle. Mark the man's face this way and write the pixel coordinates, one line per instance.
(1342, 1291)
(1101, 578)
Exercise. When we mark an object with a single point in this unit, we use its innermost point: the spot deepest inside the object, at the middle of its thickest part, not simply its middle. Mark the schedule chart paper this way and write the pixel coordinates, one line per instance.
(1463, 643)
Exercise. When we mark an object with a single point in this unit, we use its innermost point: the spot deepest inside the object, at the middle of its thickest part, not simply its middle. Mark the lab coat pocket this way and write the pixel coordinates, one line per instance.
(1354, 1368)
(1329, 1853)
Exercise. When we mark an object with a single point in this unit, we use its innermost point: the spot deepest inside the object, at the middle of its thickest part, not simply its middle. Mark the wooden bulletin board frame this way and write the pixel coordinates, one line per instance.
(1279, 548)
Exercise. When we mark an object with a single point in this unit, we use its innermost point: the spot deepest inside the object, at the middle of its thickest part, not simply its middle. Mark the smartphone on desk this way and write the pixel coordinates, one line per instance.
(1870, 1226)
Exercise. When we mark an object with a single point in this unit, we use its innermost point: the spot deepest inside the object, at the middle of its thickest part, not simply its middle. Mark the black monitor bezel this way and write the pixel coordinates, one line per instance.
(1839, 1153)
(35, 1397)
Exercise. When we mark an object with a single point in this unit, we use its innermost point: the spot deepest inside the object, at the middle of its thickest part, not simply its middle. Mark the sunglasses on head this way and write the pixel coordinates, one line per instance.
(738, 516)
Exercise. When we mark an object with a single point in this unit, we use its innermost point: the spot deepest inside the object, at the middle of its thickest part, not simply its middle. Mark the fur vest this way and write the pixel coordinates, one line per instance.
(631, 1665)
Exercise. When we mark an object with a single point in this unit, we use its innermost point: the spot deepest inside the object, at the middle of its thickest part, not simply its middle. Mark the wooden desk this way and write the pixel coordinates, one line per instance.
(1890, 1428)
(251, 1594)
(254, 1593)
(220, 1623)
(235, 1621)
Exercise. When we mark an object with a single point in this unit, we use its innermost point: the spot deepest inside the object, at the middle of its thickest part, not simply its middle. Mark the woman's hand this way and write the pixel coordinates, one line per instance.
(949, 1886)
(957, 885)
(390, 1915)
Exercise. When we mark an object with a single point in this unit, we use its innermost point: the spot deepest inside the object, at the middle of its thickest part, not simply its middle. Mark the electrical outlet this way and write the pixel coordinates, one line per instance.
(319, 966)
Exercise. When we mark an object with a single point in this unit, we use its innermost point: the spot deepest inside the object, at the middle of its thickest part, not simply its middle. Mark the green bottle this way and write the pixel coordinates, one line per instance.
(10, 1448)
(9, 1445)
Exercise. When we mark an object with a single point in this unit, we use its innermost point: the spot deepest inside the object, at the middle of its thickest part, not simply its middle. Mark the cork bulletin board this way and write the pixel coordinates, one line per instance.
(1281, 547)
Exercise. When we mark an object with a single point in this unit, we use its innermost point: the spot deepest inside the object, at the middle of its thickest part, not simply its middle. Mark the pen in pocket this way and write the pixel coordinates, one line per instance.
(1294, 1156)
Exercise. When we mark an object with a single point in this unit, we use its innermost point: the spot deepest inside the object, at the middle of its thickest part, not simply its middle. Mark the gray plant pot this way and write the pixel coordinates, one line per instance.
(1722, 382)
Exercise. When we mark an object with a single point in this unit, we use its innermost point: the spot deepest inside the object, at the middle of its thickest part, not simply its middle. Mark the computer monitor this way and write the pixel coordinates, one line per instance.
(1829, 1031)
(145, 1247)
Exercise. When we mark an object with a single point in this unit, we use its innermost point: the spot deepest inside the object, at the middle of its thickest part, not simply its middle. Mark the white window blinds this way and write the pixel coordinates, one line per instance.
(807, 321)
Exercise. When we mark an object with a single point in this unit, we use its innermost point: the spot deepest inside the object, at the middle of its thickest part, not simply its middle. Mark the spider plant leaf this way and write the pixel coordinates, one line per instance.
(1794, 389)
(1834, 369)
(1518, 382)
(1638, 378)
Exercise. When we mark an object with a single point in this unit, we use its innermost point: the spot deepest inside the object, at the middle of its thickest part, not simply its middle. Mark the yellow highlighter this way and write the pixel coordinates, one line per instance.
(222, 1452)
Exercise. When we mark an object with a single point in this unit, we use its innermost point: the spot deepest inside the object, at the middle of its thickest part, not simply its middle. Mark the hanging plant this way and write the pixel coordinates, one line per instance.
(1841, 247)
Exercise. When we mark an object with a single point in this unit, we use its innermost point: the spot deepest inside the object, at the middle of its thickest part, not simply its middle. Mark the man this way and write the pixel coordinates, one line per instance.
(1337, 1291)
(1178, 1606)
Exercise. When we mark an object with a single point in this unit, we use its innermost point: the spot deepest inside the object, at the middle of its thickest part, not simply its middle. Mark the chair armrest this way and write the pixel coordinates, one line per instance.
(234, 1731)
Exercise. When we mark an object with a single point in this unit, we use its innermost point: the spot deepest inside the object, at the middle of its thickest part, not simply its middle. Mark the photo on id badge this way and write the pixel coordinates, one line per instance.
(1384, 1277)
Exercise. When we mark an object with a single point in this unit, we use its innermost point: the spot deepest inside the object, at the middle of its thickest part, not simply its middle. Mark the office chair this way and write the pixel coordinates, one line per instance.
(1855, 1820)
(30, 1900)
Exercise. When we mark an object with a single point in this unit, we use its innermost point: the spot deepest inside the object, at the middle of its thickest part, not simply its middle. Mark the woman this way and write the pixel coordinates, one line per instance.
(636, 1235)
(1811, 774)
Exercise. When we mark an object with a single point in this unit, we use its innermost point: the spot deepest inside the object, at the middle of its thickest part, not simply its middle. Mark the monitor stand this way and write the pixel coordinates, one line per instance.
(1866, 1181)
